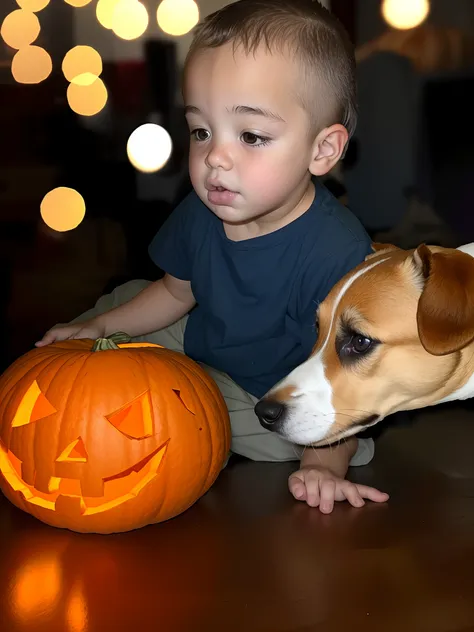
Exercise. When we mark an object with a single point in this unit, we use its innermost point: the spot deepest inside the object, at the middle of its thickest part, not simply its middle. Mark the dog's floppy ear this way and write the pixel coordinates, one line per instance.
(445, 315)
(380, 248)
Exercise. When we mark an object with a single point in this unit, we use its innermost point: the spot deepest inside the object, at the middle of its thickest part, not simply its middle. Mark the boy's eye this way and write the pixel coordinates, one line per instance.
(253, 139)
(200, 134)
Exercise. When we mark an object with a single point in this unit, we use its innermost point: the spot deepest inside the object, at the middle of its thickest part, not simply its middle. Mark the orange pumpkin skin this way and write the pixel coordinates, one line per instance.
(112, 440)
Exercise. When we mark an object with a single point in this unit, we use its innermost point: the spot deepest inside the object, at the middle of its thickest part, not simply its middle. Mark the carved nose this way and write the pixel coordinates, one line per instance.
(269, 412)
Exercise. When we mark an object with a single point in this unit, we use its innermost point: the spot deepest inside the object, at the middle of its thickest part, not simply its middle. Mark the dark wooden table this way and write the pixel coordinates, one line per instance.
(247, 557)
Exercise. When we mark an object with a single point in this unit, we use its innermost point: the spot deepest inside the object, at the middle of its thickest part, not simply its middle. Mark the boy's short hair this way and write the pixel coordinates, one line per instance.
(308, 31)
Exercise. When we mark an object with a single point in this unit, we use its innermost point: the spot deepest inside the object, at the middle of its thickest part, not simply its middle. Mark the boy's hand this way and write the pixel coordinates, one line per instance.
(320, 487)
(90, 329)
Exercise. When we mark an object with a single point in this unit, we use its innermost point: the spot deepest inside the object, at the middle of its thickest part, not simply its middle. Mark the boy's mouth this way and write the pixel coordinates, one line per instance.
(220, 196)
(212, 187)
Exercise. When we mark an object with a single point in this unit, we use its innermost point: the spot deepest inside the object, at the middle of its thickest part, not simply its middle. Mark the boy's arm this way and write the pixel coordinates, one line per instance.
(334, 458)
(157, 306)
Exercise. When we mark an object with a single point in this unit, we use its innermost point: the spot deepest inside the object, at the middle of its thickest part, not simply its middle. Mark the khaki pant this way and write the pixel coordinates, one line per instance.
(249, 438)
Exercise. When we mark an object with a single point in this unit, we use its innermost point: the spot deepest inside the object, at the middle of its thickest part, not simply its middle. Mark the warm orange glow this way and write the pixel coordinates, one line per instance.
(82, 65)
(78, 3)
(118, 489)
(104, 12)
(149, 147)
(33, 5)
(139, 345)
(405, 14)
(20, 28)
(129, 19)
(67, 495)
(135, 420)
(137, 476)
(177, 17)
(76, 609)
(53, 484)
(63, 209)
(31, 64)
(36, 588)
(75, 452)
(87, 100)
(33, 406)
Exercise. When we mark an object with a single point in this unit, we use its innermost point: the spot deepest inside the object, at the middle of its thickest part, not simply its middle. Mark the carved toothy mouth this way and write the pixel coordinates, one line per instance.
(65, 493)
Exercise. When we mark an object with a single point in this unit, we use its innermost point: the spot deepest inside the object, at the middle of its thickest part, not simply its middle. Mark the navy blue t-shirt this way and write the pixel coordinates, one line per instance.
(257, 298)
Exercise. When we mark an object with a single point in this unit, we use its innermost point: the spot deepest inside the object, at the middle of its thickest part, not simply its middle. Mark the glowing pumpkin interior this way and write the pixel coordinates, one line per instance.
(134, 421)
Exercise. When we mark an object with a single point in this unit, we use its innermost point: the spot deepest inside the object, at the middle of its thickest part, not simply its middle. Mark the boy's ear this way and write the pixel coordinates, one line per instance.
(328, 148)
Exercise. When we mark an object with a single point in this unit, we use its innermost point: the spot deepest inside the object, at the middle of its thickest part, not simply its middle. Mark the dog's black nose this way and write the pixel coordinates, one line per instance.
(269, 412)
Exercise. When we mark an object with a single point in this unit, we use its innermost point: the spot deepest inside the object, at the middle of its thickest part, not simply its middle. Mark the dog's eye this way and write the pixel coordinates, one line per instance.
(353, 346)
(361, 344)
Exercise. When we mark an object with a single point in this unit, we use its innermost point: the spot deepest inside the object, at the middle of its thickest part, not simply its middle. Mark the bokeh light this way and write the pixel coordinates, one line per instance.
(33, 5)
(82, 65)
(85, 79)
(20, 28)
(87, 100)
(149, 147)
(129, 19)
(405, 14)
(63, 209)
(78, 3)
(177, 17)
(105, 11)
(31, 64)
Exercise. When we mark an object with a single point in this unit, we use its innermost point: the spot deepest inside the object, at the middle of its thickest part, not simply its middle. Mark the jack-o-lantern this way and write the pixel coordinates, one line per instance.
(109, 436)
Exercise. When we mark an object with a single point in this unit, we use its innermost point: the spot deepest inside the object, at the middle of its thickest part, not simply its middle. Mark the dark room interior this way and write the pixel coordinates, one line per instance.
(247, 556)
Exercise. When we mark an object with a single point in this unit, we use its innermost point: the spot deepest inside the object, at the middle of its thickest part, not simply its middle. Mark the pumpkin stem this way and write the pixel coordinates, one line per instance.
(111, 342)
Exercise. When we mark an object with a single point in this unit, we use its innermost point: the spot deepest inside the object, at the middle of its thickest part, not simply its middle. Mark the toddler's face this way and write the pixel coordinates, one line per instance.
(251, 144)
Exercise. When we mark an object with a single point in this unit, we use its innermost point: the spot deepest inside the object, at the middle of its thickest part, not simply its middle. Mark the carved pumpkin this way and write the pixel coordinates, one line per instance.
(105, 437)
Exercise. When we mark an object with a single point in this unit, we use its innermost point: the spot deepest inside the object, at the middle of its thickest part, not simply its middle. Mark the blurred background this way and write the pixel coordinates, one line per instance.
(94, 143)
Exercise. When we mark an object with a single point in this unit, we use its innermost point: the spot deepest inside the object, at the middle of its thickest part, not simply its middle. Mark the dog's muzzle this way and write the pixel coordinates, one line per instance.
(271, 414)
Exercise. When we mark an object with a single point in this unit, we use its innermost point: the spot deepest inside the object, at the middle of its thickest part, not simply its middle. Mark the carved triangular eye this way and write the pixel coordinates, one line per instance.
(135, 419)
(75, 452)
(33, 406)
(183, 401)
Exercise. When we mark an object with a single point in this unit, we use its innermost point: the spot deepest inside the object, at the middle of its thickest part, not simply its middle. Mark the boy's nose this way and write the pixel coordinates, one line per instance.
(219, 157)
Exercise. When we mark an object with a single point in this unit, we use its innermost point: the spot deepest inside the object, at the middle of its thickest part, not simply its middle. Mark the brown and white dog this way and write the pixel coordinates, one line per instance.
(396, 333)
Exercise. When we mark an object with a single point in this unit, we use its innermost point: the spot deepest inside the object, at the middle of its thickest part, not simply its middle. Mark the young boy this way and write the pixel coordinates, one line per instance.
(269, 93)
